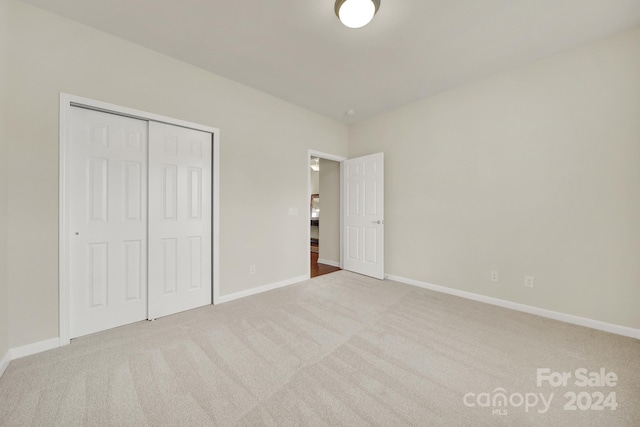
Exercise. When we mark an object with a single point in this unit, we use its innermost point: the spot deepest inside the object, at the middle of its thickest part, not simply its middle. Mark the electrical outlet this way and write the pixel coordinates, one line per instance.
(494, 275)
(293, 211)
(528, 281)
(252, 269)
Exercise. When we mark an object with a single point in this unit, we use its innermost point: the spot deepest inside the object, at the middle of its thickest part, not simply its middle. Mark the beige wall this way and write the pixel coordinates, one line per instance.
(4, 304)
(49, 55)
(530, 172)
(330, 210)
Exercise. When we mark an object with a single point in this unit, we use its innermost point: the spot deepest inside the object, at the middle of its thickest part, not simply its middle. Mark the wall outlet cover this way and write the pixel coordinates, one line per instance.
(528, 281)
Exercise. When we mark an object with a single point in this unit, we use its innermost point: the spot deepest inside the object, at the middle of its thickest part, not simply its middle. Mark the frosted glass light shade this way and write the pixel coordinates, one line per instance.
(356, 13)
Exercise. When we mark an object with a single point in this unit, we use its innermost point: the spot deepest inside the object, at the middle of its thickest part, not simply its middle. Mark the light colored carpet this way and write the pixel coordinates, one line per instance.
(340, 349)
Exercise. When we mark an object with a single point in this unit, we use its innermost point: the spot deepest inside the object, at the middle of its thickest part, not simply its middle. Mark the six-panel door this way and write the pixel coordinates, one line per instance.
(363, 192)
(179, 219)
(107, 194)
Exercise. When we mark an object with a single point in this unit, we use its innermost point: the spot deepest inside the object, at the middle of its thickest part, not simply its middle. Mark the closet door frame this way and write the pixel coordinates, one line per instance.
(67, 101)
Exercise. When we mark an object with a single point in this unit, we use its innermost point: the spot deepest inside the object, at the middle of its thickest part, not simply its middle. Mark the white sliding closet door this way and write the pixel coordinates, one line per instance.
(179, 219)
(106, 195)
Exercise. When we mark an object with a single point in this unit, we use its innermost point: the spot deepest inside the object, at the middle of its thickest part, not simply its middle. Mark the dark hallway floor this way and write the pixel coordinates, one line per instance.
(320, 269)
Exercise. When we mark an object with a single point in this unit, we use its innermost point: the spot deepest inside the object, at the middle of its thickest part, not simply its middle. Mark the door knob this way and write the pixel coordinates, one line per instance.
(377, 222)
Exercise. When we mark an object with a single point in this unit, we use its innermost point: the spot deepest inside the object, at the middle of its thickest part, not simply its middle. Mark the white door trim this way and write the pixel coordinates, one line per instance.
(326, 156)
(66, 102)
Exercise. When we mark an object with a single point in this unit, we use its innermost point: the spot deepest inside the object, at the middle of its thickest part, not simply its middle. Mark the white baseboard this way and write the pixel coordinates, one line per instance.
(327, 262)
(555, 315)
(259, 290)
(4, 362)
(36, 347)
(27, 350)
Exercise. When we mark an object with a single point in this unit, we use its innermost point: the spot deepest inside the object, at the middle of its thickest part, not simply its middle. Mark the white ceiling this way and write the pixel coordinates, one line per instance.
(298, 50)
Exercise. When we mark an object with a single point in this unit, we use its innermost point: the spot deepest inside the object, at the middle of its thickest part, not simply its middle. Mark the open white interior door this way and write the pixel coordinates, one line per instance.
(363, 205)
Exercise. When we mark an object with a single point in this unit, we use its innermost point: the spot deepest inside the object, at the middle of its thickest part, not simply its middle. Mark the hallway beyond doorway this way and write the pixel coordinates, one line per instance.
(320, 269)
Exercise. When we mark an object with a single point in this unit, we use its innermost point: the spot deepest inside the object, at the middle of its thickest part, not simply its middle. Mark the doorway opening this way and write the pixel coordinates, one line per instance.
(324, 214)
(360, 212)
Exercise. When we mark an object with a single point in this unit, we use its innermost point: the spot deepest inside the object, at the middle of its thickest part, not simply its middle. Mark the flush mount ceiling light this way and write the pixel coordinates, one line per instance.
(356, 13)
